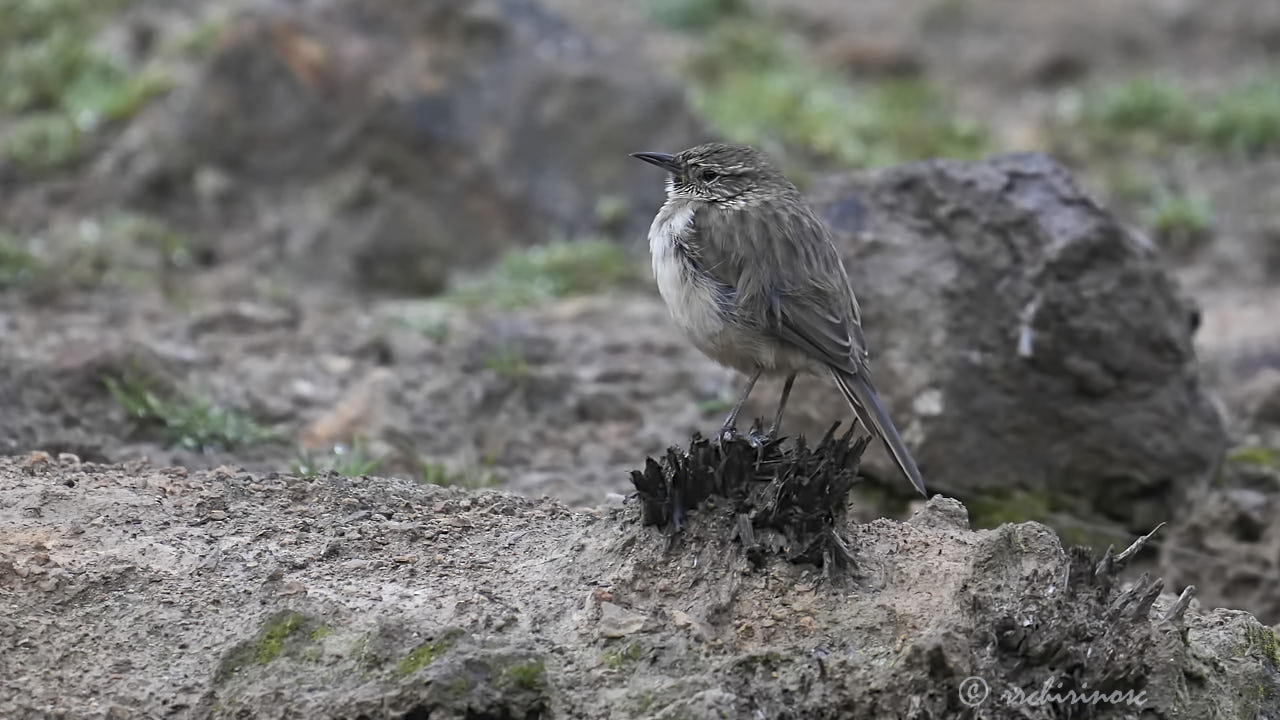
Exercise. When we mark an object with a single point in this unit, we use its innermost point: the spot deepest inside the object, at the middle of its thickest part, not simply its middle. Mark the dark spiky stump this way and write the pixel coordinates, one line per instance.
(784, 498)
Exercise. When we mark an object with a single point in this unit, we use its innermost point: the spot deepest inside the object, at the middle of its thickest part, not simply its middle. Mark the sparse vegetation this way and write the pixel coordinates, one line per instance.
(437, 473)
(61, 85)
(615, 659)
(17, 264)
(528, 674)
(509, 362)
(273, 635)
(353, 460)
(546, 272)
(423, 655)
(1180, 222)
(756, 86)
(1151, 113)
(695, 14)
(192, 422)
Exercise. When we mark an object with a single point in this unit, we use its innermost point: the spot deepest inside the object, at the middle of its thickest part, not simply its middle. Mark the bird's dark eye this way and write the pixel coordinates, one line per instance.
(707, 176)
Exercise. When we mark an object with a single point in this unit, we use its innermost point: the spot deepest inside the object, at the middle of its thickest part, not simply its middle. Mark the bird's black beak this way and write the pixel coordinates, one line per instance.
(662, 160)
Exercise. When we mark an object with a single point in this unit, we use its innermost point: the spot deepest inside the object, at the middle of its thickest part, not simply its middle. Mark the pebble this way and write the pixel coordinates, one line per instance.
(616, 622)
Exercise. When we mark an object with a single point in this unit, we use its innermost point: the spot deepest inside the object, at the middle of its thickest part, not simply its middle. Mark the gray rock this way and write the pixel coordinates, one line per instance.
(1027, 344)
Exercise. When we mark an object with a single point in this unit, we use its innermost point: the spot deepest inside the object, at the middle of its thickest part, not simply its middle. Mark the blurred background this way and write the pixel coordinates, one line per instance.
(405, 238)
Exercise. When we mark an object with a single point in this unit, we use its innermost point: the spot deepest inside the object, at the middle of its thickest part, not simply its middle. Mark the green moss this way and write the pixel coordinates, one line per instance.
(998, 508)
(529, 674)
(320, 632)
(1262, 641)
(272, 636)
(192, 422)
(756, 85)
(423, 655)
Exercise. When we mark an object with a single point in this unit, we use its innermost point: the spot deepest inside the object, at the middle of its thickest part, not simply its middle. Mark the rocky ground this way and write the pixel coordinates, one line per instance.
(374, 250)
(140, 591)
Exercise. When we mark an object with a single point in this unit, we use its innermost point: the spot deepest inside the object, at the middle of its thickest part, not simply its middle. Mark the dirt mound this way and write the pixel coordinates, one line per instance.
(140, 591)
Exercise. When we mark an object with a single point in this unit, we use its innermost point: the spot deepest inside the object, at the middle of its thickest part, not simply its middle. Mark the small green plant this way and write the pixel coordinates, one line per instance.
(509, 362)
(1245, 120)
(695, 14)
(555, 270)
(351, 460)
(17, 264)
(529, 674)
(43, 141)
(615, 659)
(437, 473)
(191, 422)
(1144, 105)
(1181, 222)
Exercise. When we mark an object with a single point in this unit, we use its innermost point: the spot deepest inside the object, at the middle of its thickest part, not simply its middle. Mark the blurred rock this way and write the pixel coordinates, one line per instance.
(1227, 541)
(1025, 342)
(400, 138)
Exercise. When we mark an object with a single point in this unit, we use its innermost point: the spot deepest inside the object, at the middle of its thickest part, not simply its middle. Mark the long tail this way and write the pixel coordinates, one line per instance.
(866, 404)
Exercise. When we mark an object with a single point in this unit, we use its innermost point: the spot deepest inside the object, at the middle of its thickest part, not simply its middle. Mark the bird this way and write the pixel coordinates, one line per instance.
(752, 277)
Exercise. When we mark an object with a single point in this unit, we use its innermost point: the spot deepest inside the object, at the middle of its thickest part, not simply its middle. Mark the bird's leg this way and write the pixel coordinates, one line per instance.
(782, 404)
(731, 422)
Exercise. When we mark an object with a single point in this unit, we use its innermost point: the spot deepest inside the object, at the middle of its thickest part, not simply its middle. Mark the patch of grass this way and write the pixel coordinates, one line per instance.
(546, 272)
(529, 674)
(1144, 105)
(274, 633)
(1245, 120)
(1255, 455)
(1180, 222)
(349, 461)
(755, 87)
(203, 38)
(43, 141)
(695, 14)
(320, 632)
(424, 655)
(1151, 113)
(191, 422)
(509, 362)
(437, 473)
(615, 659)
(51, 74)
(17, 264)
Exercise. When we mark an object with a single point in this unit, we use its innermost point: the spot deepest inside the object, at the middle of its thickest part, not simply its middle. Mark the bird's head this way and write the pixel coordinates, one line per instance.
(719, 173)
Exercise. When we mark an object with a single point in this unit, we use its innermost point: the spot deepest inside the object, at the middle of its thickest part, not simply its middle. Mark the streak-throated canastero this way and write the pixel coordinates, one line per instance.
(752, 276)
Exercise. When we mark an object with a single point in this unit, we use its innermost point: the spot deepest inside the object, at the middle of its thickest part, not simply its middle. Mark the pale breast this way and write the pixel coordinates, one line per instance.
(691, 297)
